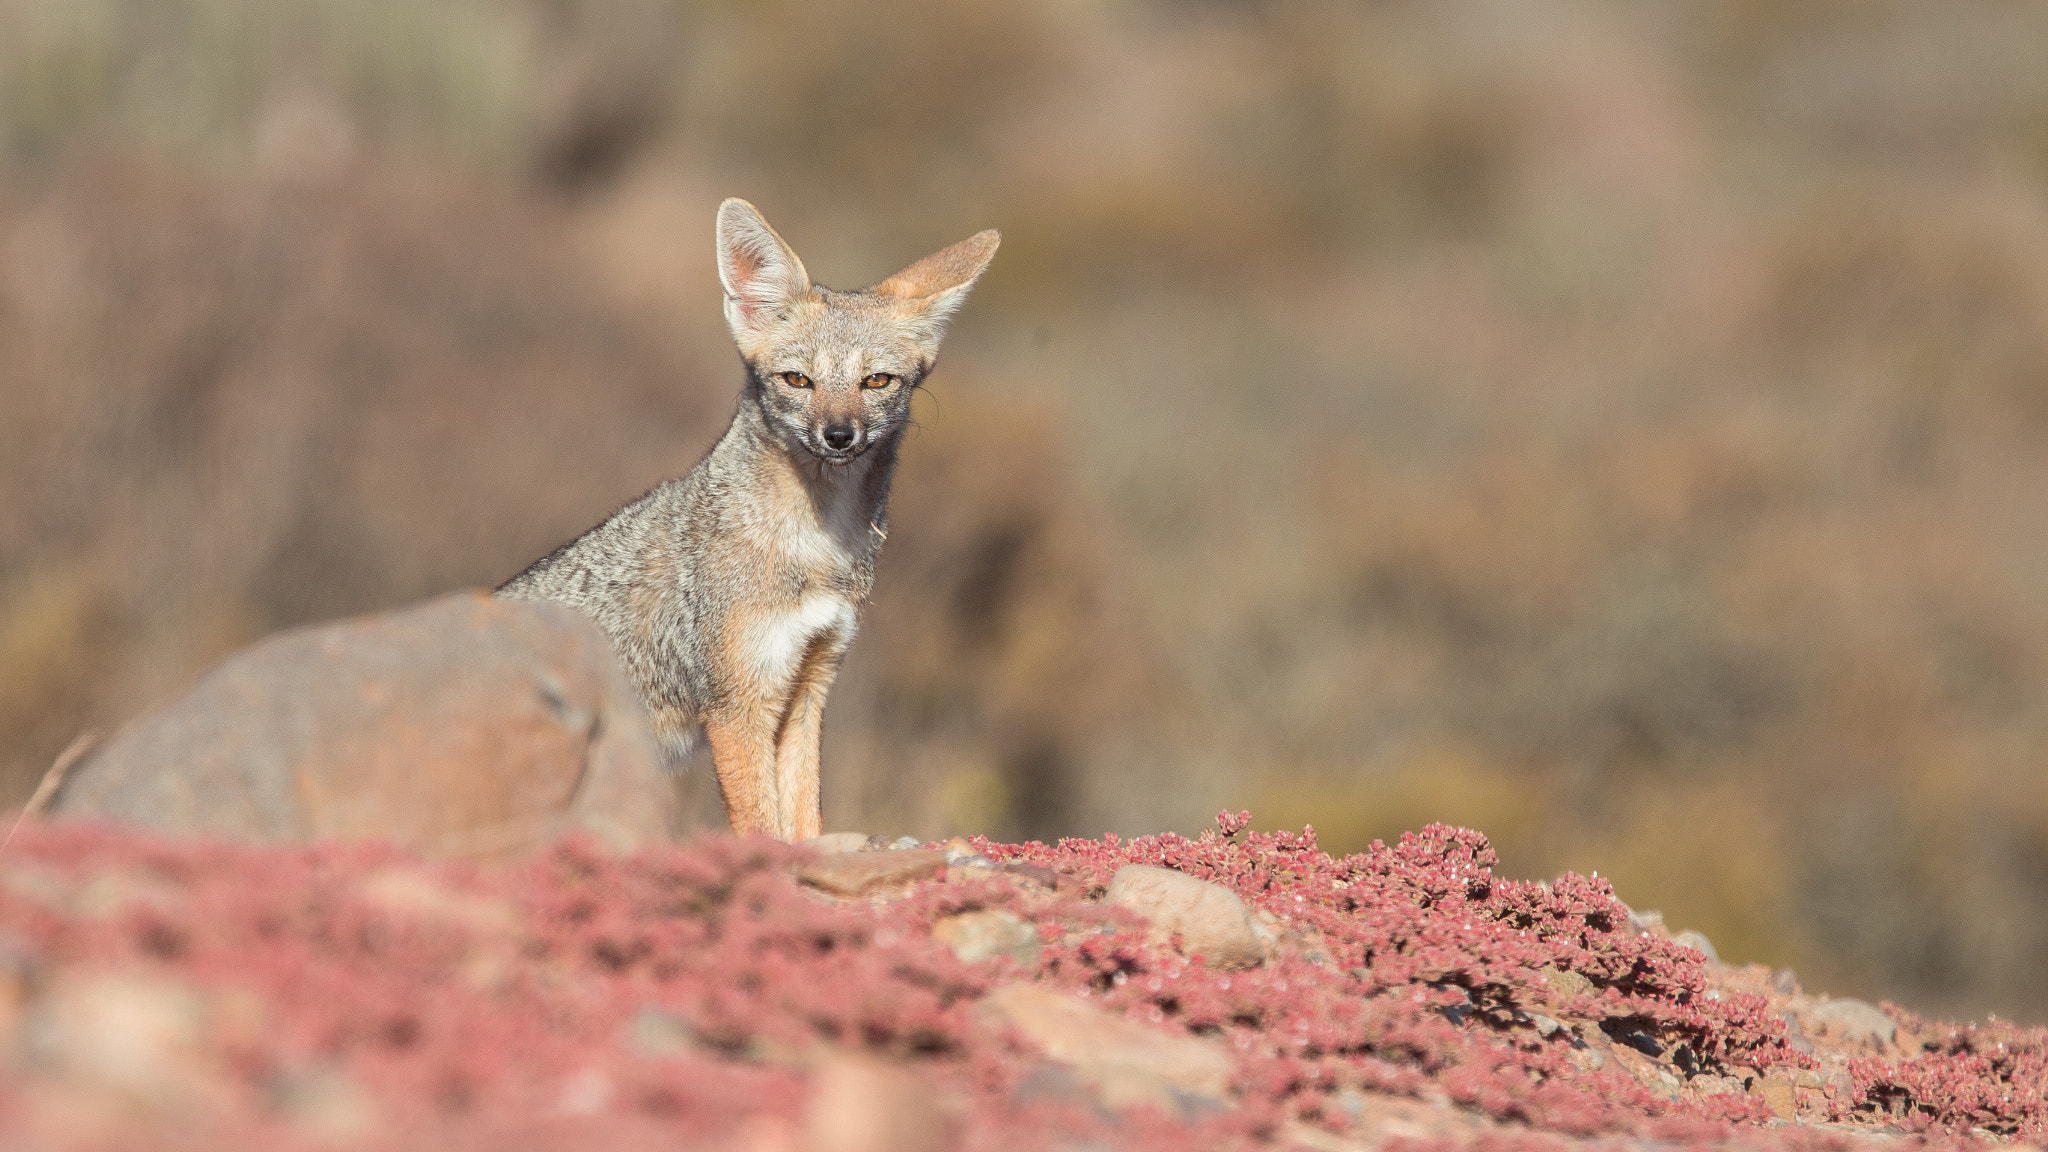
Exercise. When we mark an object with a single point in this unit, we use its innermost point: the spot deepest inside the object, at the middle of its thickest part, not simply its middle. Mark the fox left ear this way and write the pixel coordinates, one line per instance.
(940, 281)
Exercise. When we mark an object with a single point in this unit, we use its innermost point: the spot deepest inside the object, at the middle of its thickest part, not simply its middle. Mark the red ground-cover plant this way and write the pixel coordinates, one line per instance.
(683, 998)
(1990, 1077)
(1411, 938)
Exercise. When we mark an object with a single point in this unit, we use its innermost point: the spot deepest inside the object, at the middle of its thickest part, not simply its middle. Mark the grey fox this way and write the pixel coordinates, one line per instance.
(731, 594)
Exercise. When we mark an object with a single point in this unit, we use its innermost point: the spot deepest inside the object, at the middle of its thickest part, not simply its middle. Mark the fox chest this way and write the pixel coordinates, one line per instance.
(780, 643)
(810, 559)
(814, 568)
(803, 613)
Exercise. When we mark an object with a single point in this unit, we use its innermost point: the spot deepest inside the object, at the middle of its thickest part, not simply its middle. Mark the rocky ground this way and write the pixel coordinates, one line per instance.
(1235, 990)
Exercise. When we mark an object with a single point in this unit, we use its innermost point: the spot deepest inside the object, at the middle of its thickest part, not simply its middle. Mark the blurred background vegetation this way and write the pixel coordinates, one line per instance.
(1616, 427)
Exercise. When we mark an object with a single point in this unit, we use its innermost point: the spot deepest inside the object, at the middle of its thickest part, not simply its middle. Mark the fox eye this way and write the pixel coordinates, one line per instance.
(878, 380)
(795, 379)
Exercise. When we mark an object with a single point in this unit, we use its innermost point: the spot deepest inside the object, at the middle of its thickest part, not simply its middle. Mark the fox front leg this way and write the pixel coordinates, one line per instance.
(799, 812)
(743, 755)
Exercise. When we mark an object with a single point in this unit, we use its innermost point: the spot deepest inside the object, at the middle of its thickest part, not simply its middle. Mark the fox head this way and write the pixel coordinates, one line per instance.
(835, 370)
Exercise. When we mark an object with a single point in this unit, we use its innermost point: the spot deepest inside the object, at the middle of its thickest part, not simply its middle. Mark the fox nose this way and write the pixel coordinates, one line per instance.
(839, 437)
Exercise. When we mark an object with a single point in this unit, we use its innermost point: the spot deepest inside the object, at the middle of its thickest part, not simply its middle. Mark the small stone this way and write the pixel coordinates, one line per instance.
(862, 1105)
(585, 1092)
(1649, 1073)
(1037, 874)
(1806, 1078)
(1683, 1056)
(1703, 1086)
(1856, 1022)
(1795, 1037)
(1586, 1057)
(1640, 1041)
(877, 843)
(491, 930)
(1777, 1094)
(114, 892)
(866, 873)
(1056, 1082)
(1310, 1138)
(905, 843)
(1565, 983)
(416, 896)
(18, 976)
(130, 1041)
(1279, 938)
(1211, 920)
(1048, 1081)
(1124, 1061)
(1698, 942)
(324, 1105)
(1545, 1026)
(1641, 922)
(659, 1034)
(833, 843)
(961, 854)
(978, 936)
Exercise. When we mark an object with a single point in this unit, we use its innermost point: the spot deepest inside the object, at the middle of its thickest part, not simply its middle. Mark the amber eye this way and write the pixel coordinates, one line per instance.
(795, 379)
(878, 380)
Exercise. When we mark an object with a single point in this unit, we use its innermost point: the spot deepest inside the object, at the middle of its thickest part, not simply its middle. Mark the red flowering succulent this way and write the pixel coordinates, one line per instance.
(348, 993)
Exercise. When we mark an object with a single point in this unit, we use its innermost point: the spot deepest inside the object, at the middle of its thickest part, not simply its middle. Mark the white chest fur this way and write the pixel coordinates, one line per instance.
(782, 638)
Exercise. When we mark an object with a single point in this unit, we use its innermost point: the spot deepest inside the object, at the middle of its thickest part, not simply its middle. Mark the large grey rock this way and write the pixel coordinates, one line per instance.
(464, 726)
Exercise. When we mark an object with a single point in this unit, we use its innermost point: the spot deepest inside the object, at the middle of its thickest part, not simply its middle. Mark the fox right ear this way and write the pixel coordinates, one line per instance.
(761, 275)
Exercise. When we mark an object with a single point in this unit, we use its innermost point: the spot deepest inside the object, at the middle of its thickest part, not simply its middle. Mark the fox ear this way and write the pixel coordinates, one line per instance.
(941, 280)
(762, 276)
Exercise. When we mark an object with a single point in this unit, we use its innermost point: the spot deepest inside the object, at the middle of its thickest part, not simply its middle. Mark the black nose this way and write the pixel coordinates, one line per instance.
(839, 437)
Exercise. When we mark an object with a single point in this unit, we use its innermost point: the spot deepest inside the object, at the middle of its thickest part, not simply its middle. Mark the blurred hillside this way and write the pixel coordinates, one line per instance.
(1622, 428)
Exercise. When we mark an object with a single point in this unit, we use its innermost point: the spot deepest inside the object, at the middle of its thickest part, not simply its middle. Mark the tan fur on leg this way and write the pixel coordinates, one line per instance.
(799, 806)
(744, 756)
